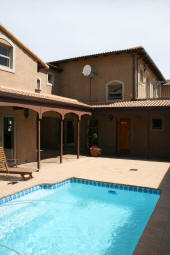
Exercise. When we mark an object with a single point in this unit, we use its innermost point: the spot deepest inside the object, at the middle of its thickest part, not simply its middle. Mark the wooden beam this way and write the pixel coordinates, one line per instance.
(38, 142)
(148, 147)
(61, 140)
(78, 138)
(117, 135)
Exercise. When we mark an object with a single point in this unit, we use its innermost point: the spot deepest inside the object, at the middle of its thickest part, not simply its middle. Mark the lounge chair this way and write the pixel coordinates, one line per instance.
(9, 170)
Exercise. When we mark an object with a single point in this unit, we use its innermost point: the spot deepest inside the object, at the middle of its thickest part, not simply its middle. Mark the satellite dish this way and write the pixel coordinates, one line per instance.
(88, 71)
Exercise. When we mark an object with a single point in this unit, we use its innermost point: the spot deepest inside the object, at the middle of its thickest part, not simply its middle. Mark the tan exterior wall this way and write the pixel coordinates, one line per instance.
(73, 84)
(138, 134)
(25, 73)
(106, 133)
(45, 86)
(159, 140)
(25, 133)
(142, 87)
(165, 91)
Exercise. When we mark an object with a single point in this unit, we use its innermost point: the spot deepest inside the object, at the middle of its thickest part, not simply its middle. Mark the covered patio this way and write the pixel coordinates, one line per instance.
(33, 108)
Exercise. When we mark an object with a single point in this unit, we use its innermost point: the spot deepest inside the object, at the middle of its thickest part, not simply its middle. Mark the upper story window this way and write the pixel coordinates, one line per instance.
(7, 54)
(114, 90)
(50, 79)
(147, 87)
(141, 76)
(4, 55)
(156, 89)
(38, 89)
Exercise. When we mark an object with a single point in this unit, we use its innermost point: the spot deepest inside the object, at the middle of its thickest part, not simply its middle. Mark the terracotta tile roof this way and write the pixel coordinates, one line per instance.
(17, 41)
(42, 96)
(136, 104)
(59, 99)
(139, 50)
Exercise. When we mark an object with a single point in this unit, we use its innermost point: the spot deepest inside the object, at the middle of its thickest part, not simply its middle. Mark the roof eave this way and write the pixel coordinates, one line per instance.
(17, 41)
(136, 50)
(56, 103)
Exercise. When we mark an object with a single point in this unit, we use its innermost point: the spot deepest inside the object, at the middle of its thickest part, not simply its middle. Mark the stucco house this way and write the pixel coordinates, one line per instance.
(50, 106)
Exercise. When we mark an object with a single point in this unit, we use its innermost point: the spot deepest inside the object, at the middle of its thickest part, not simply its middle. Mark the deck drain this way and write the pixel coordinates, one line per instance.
(133, 169)
(12, 183)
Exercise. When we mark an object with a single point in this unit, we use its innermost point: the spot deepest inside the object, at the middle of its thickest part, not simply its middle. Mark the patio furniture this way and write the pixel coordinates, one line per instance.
(8, 170)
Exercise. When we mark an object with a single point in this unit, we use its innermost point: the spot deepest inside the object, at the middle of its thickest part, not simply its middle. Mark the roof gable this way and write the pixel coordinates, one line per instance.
(18, 42)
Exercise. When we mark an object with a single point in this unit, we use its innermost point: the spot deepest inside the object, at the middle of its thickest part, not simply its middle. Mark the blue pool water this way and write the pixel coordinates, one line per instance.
(75, 219)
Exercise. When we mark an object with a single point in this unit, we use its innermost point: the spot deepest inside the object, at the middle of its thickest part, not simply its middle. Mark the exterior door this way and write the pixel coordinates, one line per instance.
(7, 135)
(124, 136)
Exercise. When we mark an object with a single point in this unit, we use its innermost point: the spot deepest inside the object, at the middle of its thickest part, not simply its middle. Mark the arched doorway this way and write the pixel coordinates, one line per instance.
(50, 135)
(70, 133)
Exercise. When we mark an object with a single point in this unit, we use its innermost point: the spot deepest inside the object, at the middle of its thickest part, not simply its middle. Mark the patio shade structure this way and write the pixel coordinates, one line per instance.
(42, 103)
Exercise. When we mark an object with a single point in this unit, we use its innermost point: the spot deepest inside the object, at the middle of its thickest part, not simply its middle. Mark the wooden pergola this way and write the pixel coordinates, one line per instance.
(43, 105)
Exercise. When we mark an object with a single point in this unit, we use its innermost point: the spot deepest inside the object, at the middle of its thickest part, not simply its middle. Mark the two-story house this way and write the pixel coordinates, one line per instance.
(48, 105)
(129, 97)
(27, 96)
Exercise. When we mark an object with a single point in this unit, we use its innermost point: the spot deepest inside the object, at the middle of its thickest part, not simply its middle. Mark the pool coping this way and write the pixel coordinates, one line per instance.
(55, 185)
(143, 246)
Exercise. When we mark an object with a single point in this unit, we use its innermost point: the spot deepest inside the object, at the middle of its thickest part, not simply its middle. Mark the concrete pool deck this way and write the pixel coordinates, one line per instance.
(156, 237)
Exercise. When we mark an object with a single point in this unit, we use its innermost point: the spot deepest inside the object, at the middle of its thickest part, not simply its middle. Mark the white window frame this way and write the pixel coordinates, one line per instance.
(49, 83)
(12, 58)
(114, 82)
(39, 89)
(4, 56)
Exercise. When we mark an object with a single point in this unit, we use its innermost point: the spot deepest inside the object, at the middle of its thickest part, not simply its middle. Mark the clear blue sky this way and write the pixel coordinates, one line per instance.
(61, 29)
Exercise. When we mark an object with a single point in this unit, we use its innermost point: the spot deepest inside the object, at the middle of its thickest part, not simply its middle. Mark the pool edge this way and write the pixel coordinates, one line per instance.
(55, 185)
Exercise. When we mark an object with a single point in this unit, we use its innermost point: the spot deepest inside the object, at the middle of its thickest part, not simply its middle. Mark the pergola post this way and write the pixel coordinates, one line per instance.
(148, 137)
(38, 142)
(61, 140)
(78, 137)
(117, 135)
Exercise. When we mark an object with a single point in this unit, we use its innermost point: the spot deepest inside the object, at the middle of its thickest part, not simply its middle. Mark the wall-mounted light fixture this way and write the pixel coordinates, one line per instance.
(26, 113)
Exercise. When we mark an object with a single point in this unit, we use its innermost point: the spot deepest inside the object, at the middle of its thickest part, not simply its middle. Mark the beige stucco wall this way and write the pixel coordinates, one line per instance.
(73, 84)
(142, 88)
(106, 133)
(165, 91)
(25, 133)
(138, 135)
(25, 73)
(45, 86)
(159, 140)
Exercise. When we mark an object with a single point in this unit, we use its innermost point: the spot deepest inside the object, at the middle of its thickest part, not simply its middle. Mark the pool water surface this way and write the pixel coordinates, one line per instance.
(75, 219)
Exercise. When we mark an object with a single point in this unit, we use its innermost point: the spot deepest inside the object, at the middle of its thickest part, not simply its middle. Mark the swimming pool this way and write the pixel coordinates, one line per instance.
(76, 217)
